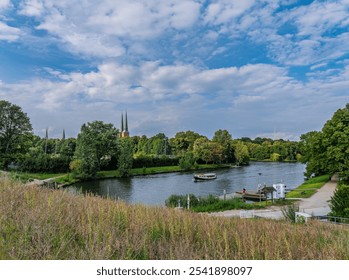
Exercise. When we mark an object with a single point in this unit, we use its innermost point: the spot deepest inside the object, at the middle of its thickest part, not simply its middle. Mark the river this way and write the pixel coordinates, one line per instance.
(155, 189)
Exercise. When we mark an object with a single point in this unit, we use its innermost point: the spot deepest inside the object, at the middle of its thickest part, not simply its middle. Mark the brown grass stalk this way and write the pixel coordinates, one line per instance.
(37, 223)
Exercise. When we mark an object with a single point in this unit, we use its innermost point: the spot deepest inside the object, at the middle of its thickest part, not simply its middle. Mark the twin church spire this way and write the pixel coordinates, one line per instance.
(124, 126)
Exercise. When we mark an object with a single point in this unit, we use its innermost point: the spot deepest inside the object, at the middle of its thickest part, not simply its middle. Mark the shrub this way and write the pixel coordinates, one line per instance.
(173, 200)
(339, 203)
(187, 161)
(289, 212)
(153, 161)
(208, 204)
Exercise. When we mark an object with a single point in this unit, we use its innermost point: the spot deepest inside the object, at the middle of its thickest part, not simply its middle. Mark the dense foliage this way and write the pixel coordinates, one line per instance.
(327, 151)
(99, 147)
(15, 131)
(125, 158)
(339, 203)
(96, 147)
(207, 204)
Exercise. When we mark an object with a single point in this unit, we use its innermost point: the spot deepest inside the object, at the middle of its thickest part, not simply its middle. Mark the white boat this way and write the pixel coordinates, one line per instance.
(204, 176)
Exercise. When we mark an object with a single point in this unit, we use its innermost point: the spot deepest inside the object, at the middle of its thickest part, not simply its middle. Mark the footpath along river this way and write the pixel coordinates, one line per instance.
(155, 189)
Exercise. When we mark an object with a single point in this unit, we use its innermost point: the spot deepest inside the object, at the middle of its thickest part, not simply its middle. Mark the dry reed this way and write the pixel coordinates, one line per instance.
(38, 223)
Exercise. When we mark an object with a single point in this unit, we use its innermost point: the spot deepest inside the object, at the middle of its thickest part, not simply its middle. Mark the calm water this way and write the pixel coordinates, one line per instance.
(155, 189)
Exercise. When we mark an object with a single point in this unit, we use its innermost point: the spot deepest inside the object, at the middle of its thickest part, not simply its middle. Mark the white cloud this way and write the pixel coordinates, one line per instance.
(175, 87)
(319, 17)
(225, 11)
(108, 29)
(321, 34)
(32, 8)
(4, 4)
(302, 35)
(179, 96)
(102, 28)
(162, 98)
(8, 33)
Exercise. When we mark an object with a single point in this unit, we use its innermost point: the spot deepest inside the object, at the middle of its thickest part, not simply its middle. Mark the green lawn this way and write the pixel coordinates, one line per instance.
(26, 176)
(66, 178)
(309, 187)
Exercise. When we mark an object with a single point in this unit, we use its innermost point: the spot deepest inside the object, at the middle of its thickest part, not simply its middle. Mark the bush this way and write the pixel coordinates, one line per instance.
(339, 203)
(153, 161)
(173, 200)
(208, 204)
(187, 162)
(289, 212)
(214, 204)
(45, 163)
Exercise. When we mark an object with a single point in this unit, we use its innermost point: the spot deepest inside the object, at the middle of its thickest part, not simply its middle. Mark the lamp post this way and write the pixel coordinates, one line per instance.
(260, 191)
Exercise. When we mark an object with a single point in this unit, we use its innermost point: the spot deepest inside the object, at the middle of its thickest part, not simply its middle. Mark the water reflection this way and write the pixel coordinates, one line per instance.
(155, 189)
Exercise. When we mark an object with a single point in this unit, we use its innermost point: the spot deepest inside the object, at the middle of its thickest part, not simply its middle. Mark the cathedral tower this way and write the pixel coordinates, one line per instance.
(124, 126)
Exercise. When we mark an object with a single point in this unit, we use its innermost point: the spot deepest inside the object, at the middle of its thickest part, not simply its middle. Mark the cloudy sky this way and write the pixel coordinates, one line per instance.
(275, 68)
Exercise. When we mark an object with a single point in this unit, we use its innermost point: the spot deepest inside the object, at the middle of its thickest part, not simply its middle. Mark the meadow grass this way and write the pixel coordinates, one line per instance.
(41, 223)
(309, 187)
(27, 176)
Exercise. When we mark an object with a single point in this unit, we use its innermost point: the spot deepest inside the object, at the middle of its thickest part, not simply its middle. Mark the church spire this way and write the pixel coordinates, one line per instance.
(126, 123)
(122, 122)
(124, 126)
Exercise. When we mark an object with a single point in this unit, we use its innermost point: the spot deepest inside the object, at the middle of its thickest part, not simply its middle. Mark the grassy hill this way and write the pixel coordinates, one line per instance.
(38, 223)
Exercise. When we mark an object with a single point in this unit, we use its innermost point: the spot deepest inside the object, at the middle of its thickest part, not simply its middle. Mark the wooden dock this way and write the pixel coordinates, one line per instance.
(253, 196)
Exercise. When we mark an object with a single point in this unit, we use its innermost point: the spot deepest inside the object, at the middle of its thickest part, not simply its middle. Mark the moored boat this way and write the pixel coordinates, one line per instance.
(204, 176)
(252, 195)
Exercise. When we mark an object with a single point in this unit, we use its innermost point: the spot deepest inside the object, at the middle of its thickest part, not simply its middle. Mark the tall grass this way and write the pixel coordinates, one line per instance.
(40, 223)
(209, 203)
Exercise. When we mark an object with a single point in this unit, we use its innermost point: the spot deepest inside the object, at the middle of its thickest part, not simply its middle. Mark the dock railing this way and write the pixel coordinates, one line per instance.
(333, 219)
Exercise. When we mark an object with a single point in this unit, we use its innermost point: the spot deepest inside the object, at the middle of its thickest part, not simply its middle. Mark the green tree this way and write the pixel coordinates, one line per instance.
(184, 141)
(216, 152)
(328, 151)
(15, 130)
(314, 153)
(188, 161)
(224, 138)
(159, 144)
(335, 136)
(201, 149)
(241, 153)
(96, 146)
(275, 157)
(207, 151)
(339, 203)
(125, 156)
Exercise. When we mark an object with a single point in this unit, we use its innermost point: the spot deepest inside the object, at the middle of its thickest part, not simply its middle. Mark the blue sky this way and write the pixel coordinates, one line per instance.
(277, 68)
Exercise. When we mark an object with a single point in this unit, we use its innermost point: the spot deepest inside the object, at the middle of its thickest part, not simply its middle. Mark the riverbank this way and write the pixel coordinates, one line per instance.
(46, 224)
(66, 179)
(317, 204)
(309, 187)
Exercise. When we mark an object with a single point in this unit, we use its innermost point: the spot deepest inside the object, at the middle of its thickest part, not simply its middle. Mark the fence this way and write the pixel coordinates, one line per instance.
(332, 219)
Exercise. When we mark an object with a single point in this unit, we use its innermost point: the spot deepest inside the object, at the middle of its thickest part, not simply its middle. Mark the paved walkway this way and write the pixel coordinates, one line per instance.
(316, 205)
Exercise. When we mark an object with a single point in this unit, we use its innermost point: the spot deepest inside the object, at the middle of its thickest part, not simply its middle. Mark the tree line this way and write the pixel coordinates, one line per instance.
(327, 152)
(99, 147)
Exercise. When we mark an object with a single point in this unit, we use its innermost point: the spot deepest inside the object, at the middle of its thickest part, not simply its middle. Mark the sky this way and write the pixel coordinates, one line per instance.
(256, 68)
